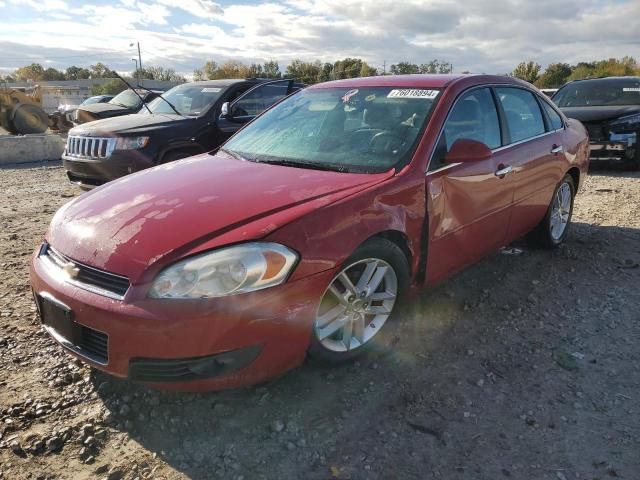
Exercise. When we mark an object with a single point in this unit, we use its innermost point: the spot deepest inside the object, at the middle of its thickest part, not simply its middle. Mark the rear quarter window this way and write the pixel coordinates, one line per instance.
(522, 113)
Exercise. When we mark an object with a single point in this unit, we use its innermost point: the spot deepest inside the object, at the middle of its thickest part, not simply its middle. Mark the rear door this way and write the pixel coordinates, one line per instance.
(252, 103)
(533, 150)
(469, 203)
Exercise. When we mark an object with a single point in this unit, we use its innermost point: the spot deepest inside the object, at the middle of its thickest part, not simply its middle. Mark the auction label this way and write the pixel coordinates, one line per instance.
(631, 89)
(211, 90)
(412, 93)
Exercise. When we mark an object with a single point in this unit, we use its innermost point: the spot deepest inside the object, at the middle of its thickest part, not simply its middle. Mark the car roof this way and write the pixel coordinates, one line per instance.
(421, 81)
(606, 79)
(225, 82)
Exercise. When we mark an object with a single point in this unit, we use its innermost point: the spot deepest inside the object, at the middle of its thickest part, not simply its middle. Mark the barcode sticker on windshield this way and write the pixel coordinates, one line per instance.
(413, 93)
(631, 89)
(211, 90)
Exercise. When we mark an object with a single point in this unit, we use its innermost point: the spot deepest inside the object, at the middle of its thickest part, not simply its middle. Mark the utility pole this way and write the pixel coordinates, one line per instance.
(384, 67)
(139, 62)
(137, 71)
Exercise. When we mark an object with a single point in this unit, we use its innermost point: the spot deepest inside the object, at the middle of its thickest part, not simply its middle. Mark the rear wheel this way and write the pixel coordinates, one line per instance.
(359, 301)
(553, 228)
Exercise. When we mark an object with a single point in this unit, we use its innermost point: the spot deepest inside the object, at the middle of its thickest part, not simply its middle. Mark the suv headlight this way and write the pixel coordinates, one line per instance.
(228, 271)
(131, 143)
(628, 122)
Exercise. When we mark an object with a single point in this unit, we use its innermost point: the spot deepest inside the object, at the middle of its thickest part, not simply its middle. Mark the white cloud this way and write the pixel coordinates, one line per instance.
(481, 36)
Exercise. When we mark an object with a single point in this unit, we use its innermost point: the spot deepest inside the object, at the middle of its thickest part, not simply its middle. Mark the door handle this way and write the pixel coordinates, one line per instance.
(556, 149)
(504, 170)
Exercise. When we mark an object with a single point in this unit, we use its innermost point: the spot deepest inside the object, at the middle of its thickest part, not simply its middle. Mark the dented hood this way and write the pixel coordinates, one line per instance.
(128, 225)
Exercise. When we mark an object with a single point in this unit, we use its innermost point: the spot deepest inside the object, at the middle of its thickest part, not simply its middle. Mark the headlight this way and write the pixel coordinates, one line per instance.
(229, 271)
(131, 143)
(628, 122)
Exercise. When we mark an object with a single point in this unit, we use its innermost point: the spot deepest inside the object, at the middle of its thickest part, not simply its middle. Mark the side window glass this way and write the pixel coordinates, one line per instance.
(522, 113)
(473, 117)
(260, 99)
(554, 118)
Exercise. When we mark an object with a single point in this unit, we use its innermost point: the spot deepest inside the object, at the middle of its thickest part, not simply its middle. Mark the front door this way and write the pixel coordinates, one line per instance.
(469, 204)
(252, 103)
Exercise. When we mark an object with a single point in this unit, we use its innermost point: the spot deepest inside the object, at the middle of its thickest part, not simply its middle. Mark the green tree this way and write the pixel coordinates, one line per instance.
(110, 87)
(435, 66)
(33, 72)
(271, 69)
(52, 74)
(100, 70)
(350, 68)
(403, 68)
(554, 76)
(527, 71)
(159, 73)
(255, 70)
(305, 72)
(326, 73)
(76, 73)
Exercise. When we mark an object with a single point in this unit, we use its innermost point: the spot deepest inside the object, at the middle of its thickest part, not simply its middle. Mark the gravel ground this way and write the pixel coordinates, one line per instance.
(524, 366)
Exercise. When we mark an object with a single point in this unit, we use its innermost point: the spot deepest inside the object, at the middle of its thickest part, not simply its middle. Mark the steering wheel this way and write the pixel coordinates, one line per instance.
(385, 142)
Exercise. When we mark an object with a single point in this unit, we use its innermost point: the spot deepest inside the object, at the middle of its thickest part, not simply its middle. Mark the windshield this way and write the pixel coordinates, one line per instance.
(128, 99)
(189, 99)
(369, 129)
(619, 91)
(91, 100)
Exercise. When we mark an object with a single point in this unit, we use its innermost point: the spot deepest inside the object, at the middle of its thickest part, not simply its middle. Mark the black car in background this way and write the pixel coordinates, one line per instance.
(610, 110)
(191, 118)
(125, 103)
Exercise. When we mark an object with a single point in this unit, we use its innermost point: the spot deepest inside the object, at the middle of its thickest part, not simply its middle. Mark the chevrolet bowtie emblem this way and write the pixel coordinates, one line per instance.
(70, 270)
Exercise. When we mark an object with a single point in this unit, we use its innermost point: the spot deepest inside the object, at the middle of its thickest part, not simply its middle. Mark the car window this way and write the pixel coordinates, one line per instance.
(599, 92)
(191, 99)
(473, 117)
(260, 99)
(554, 117)
(366, 129)
(522, 113)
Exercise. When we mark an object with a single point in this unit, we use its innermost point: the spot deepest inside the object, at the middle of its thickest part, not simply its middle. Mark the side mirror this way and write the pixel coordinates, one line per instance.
(225, 111)
(465, 150)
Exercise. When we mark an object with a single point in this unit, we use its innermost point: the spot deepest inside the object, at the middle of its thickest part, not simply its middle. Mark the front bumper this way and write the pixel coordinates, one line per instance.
(619, 148)
(89, 172)
(261, 334)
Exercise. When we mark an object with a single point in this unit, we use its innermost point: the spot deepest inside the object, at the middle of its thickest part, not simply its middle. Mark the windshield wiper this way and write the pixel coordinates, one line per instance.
(133, 89)
(166, 101)
(300, 164)
(232, 153)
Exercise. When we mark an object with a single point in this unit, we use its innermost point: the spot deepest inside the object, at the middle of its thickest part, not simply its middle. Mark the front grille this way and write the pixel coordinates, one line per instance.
(95, 343)
(83, 276)
(94, 148)
(598, 132)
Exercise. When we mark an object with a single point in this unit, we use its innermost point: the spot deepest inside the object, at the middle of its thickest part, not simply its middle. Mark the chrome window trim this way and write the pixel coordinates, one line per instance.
(494, 150)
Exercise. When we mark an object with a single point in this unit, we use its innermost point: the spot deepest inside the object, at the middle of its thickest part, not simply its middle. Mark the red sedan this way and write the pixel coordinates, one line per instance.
(301, 234)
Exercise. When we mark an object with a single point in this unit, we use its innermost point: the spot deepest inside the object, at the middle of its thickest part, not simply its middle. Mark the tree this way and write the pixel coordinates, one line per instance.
(255, 70)
(33, 72)
(230, 69)
(527, 71)
(271, 69)
(326, 73)
(100, 70)
(350, 68)
(52, 74)
(435, 66)
(198, 75)
(403, 68)
(110, 87)
(305, 72)
(159, 73)
(554, 76)
(76, 73)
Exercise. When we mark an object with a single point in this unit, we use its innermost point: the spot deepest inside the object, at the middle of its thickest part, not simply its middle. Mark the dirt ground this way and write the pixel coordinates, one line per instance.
(524, 366)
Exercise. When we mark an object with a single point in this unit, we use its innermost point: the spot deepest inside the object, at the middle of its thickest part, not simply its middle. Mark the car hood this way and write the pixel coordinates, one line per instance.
(129, 124)
(600, 113)
(155, 216)
(101, 108)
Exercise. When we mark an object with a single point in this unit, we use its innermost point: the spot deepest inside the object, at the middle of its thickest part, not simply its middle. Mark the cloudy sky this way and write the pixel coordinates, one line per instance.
(480, 36)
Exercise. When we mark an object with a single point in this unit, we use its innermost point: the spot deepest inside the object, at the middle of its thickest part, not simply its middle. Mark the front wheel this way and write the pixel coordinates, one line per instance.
(553, 228)
(359, 301)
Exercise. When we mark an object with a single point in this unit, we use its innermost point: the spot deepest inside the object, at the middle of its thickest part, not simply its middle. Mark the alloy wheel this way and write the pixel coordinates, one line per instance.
(356, 305)
(560, 211)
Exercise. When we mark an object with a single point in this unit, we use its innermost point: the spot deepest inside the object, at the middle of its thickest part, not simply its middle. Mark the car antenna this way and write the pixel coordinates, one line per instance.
(134, 90)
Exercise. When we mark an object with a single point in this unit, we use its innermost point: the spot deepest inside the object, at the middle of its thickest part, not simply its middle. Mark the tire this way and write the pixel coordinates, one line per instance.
(352, 305)
(174, 155)
(29, 119)
(552, 230)
(634, 165)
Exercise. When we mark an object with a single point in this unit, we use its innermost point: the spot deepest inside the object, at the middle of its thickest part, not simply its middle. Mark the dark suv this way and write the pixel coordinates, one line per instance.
(610, 110)
(189, 119)
(124, 103)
